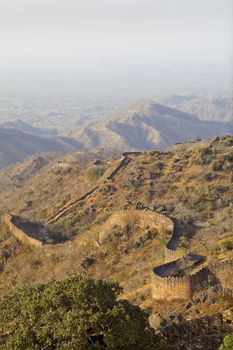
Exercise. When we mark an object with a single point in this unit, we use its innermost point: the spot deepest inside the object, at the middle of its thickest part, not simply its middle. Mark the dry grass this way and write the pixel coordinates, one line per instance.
(202, 207)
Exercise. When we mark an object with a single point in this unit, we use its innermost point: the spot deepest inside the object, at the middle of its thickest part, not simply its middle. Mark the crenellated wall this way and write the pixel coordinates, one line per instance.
(165, 286)
(143, 218)
(224, 272)
(171, 255)
(19, 234)
(170, 288)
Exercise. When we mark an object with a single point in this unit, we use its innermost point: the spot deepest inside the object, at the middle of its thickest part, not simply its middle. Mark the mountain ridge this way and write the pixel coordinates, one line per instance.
(146, 125)
(16, 145)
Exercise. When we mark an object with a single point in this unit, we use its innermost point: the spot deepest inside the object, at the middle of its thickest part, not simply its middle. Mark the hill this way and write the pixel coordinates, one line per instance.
(16, 145)
(147, 125)
(216, 109)
(98, 216)
(20, 125)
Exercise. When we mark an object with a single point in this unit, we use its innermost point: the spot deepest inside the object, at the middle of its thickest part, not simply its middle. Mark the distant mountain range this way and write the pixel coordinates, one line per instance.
(147, 125)
(20, 125)
(16, 145)
(215, 109)
(144, 125)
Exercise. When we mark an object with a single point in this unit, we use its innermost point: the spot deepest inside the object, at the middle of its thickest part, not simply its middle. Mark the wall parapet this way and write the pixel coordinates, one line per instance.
(126, 216)
(170, 288)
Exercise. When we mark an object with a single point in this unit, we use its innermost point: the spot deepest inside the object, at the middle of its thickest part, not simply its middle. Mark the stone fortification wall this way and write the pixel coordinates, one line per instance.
(224, 272)
(19, 234)
(171, 255)
(124, 162)
(141, 218)
(170, 288)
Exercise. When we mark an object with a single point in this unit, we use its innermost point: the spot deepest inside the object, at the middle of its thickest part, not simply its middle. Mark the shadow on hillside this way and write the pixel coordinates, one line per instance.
(182, 229)
(37, 230)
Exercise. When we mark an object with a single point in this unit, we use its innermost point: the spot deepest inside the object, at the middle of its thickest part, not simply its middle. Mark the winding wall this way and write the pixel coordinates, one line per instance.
(162, 286)
(173, 287)
(125, 217)
(19, 234)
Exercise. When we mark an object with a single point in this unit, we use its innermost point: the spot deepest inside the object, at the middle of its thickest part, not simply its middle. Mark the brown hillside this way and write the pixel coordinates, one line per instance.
(147, 125)
(191, 183)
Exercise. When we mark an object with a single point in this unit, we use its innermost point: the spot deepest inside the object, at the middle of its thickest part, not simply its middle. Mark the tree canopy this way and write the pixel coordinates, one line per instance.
(227, 343)
(78, 313)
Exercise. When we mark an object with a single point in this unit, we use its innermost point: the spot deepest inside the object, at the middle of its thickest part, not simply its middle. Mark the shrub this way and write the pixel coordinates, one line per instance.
(95, 173)
(77, 314)
(154, 153)
(203, 155)
(227, 244)
(227, 343)
(217, 165)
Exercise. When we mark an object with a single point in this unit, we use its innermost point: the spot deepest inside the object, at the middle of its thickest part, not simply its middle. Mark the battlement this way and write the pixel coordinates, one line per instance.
(170, 288)
(221, 266)
(171, 255)
(223, 271)
(143, 218)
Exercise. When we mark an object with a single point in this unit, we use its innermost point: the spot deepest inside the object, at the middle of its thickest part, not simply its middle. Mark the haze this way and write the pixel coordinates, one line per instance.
(112, 50)
(125, 31)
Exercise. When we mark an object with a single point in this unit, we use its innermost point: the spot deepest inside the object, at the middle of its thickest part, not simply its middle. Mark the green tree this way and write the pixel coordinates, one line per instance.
(227, 343)
(76, 314)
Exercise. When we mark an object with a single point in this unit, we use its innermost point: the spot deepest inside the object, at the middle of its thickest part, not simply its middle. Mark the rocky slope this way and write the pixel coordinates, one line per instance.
(190, 183)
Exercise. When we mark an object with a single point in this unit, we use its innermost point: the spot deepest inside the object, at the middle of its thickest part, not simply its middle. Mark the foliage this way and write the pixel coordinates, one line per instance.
(217, 165)
(95, 172)
(227, 243)
(203, 155)
(227, 343)
(78, 313)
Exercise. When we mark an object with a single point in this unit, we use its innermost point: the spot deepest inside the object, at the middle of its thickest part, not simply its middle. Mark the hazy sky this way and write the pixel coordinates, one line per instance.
(114, 31)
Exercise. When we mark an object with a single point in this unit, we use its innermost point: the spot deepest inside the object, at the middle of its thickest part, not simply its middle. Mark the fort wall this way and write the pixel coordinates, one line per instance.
(170, 288)
(19, 234)
(129, 217)
(223, 271)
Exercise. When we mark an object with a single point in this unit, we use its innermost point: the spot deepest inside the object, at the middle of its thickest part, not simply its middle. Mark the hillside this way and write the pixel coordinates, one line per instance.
(16, 145)
(216, 109)
(21, 125)
(106, 212)
(147, 125)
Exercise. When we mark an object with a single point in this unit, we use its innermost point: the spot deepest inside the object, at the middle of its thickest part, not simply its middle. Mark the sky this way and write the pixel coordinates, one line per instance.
(142, 46)
(114, 31)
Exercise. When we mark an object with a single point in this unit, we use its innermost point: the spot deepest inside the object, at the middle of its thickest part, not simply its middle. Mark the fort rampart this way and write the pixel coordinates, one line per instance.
(142, 219)
(18, 233)
(223, 271)
(170, 288)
